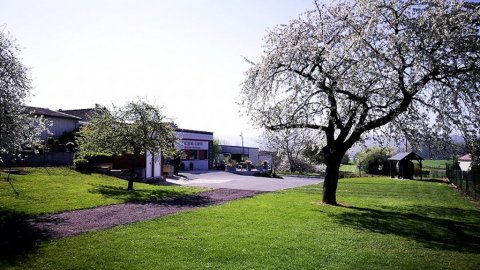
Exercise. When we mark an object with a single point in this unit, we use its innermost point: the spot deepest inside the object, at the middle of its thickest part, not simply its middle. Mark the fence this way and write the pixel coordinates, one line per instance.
(431, 172)
(50, 158)
(468, 182)
(436, 172)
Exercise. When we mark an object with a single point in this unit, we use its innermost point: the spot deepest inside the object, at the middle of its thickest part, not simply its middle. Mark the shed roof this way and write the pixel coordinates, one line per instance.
(406, 155)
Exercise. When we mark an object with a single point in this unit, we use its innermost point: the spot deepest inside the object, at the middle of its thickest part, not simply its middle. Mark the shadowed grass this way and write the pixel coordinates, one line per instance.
(387, 224)
(17, 235)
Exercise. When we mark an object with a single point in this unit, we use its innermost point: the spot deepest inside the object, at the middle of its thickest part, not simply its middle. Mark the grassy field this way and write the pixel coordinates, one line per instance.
(384, 224)
(435, 163)
(349, 168)
(352, 168)
(50, 190)
(297, 173)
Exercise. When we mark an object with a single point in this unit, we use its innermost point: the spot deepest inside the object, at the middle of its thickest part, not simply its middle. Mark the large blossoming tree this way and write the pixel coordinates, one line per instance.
(355, 68)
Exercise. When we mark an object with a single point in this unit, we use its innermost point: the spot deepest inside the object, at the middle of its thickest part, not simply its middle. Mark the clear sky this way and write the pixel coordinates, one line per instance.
(184, 55)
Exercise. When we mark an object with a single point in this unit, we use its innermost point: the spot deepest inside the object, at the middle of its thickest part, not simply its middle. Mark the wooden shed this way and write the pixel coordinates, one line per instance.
(401, 165)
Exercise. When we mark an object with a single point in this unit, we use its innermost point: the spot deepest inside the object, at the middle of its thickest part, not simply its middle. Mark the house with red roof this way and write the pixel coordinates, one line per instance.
(465, 162)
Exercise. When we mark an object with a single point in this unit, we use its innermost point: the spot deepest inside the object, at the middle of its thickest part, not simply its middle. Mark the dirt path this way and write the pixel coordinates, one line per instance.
(85, 220)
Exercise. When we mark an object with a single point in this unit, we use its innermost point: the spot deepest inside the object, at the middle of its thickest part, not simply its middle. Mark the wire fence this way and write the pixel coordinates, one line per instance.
(431, 172)
(466, 181)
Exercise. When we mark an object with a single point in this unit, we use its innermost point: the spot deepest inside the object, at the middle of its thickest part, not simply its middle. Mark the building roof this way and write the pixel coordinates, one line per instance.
(406, 155)
(49, 113)
(193, 131)
(466, 157)
(84, 114)
(238, 146)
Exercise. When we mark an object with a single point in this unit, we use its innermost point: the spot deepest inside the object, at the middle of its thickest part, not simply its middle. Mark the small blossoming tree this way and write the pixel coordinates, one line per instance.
(132, 129)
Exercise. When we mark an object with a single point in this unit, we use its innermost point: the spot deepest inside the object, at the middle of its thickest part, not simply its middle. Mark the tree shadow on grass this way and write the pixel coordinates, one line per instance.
(18, 235)
(140, 195)
(160, 197)
(432, 180)
(457, 229)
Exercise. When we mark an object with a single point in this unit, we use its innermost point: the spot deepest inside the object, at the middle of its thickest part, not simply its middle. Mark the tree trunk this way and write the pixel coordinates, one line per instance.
(132, 170)
(330, 183)
(291, 163)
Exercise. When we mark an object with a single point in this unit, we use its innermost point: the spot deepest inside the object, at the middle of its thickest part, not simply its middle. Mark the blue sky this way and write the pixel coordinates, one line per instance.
(183, 55)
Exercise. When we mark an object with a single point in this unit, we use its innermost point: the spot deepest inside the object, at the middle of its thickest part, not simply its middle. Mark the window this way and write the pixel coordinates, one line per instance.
(189, 154)
(202, 154)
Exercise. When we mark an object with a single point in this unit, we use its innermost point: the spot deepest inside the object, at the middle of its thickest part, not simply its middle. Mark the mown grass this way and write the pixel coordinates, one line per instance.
(384, 224)
(50, 190)
(435, 163)
(297, 173)
(351, 168)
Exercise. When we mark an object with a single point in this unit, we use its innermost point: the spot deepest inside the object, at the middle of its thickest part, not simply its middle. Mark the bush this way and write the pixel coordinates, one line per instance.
(81, 164)
(267, 174)
(67, 137)
(96, 157)
(303, 165)
(70, 146)
(375, 160)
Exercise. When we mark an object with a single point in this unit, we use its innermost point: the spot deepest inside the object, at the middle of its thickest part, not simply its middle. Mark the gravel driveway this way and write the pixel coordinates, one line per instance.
(221, 179)
(81, 221)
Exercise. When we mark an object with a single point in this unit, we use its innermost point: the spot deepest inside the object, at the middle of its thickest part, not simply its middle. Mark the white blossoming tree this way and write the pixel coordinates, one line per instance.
(355, 68)
(18, 127)
(289, 143)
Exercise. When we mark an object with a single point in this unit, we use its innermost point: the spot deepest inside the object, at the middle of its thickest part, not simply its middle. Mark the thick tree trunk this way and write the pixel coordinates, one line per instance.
(330, 183)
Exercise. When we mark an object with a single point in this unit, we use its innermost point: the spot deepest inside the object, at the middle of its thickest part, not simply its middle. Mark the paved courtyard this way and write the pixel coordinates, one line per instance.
(221, 179)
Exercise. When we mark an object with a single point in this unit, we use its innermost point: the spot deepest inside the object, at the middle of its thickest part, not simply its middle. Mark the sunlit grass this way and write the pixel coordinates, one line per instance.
(49, 190)
(384, 224)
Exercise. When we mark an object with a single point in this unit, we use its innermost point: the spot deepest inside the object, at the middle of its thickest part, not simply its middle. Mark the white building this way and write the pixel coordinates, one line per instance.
(465, 162)
(196, 149)
(248, 153)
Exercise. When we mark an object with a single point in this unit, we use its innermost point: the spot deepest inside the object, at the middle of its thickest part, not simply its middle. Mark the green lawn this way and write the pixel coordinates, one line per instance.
(387, 224)
(297, 173)
(435, 163)
(352, 168)
(50, 190)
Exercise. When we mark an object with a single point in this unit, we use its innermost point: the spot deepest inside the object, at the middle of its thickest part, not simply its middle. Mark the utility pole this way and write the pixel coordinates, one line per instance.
(243, 149)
